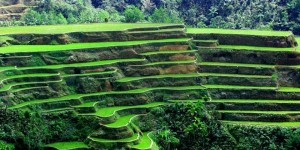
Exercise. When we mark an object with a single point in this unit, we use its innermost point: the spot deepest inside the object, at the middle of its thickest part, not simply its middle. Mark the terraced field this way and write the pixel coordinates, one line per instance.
(119, 79)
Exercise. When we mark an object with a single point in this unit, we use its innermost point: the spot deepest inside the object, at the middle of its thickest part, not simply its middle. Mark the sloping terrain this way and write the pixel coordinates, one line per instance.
(14, 9)
(117, 79)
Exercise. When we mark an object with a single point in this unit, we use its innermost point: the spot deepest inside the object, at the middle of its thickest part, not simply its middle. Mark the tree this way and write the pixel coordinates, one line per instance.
(162, 15)
(71, 19)
(133, 14)
(61, 19)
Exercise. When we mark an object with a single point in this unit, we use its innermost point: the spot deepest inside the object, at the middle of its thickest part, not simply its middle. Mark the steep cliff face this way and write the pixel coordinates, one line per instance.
(14, 9)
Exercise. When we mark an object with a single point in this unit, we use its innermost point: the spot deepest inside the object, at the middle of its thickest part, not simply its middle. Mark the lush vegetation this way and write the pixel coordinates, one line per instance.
(239, 14)
(193, 126)
(31, 131)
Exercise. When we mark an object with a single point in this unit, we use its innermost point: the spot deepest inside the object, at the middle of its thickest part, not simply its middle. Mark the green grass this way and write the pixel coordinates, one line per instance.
(298, 41)
(237, 87)
(254, 101)
(78, 96)
(239, 32)
(122, 121)
(29, 75)
(281, 124)
(90, 74)
(125, 140)
(87, 64)
(109, 111)
(128, 79)
(168, 52)
(5, 38)
(206, 41)
(170, 62)
(54, 29)
(145, 142)
(88, 104)
(289, 89)
(76, 46)
(28, 88)
(57, 110)
(236, 64)
(259, 112)
(67, 145)
(258, 48)
(11, 86)
(234, 75)
(185, 101)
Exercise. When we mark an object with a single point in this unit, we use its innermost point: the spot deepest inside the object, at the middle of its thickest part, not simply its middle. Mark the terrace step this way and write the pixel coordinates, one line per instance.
(56, 110)
(215, 86)
(68, 145)
(260, 116)
(87, 65)
(29, 78)
(25, 84)
(80, 96)
(122, 121)
(145, 143)
(262, 105)
(236, 68)
(254, 123)
(206, 43)
(156, 68)
(115, 144)
(29, 89)
(159, 56)
(112, 111)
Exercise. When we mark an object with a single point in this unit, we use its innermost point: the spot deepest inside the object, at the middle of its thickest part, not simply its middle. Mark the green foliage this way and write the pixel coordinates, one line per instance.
(293, 141)
(29, 130)
(5, 146)
(162, 15)
(190, 126)
(133, 14)
(264, 137)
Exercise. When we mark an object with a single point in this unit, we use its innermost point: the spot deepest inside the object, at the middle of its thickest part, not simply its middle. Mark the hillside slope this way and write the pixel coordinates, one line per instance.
(14, 9)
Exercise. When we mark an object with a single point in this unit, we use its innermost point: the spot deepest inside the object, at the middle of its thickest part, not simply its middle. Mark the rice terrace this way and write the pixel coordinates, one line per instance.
(109, 82)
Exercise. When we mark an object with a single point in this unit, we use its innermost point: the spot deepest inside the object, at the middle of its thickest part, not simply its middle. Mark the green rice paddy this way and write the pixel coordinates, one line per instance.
(259, 112)
(237, 32)
(125, 140)
(168, 52)
(298, 41)
(128, 79)
(109, 111)
(145, 142)
(253, 101)
(68, 145)
(256, 48)
(56, 29)
(236, 64)
(237, 87)
(253, 123)
(122, 121)
(77, 46)
(78, 96)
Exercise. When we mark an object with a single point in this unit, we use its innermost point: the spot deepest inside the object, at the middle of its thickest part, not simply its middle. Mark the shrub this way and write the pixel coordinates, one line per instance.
(162, 15)
(133, 14)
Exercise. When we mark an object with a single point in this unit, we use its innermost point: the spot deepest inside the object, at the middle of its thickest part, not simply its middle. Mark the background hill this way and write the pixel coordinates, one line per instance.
(235, 14)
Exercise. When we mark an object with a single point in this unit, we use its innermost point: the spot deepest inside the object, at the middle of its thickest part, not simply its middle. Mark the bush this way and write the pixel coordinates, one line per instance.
(191, 126)
(162, 15)
(133, 14)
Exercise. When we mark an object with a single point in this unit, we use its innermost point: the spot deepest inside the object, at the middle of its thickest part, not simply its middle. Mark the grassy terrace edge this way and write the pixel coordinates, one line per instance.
(75, 46)
(60, 29)
(237, 32)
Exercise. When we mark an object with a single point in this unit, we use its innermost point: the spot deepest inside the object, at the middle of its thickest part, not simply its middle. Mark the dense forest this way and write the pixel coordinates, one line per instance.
(234, 14)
